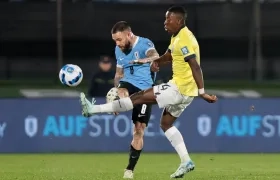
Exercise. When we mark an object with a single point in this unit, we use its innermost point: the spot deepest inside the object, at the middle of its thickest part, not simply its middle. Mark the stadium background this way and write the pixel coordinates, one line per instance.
(239, 43)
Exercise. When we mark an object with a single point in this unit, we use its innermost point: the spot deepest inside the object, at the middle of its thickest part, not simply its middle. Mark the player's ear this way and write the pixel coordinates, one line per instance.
(179, 21)
(130, 34)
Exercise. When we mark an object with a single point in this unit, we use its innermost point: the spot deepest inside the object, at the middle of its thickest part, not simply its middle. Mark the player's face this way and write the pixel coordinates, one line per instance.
(171, 22)
(122, 40)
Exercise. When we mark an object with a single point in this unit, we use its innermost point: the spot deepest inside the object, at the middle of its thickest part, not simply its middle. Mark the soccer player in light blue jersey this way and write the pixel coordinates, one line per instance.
(131, 78)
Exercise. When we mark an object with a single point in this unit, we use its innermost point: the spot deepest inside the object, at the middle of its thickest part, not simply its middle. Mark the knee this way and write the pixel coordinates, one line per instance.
(165, 125)
(139, 130)
(123, 92)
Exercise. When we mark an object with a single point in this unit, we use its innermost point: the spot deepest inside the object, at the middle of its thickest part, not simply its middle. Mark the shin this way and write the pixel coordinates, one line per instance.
(137, 141)
(136, 145)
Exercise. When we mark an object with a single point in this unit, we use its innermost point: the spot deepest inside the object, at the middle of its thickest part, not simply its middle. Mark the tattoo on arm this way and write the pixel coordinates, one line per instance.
(152, 55)
(118, 76)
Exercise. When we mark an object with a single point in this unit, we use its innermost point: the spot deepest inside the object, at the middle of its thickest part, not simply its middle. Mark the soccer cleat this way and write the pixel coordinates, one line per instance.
(128, 174)
(86, 105)
(183, 169)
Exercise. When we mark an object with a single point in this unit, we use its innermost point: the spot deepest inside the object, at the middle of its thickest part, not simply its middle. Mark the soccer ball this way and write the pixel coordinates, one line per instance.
(71, 75)
(112, 95)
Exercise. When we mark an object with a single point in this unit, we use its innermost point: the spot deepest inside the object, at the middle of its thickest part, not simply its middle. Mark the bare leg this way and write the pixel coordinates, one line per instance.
(137, 141)
(144, 97)
(138, 134)
(167, 120)
(136, 145)
(122, 92)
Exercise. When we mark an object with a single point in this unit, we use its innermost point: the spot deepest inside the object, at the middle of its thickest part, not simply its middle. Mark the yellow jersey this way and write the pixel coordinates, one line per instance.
(184, 46)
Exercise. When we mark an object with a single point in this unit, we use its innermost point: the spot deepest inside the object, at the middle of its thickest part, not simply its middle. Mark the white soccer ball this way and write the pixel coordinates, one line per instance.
(112, 95)
(71, 75)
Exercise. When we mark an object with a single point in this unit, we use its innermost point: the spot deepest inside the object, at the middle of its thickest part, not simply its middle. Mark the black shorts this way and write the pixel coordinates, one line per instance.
(140, 113)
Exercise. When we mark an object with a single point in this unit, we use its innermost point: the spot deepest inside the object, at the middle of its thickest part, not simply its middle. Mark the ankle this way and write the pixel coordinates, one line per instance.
(185, 158)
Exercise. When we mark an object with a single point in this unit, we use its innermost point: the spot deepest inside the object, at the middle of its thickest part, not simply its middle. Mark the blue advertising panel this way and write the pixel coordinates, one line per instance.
(56, 125)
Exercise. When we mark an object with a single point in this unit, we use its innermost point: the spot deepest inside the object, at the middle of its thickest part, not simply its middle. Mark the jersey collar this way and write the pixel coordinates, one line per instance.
(136, 41)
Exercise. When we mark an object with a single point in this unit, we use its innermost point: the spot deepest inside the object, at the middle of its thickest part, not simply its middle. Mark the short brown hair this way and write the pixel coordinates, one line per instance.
(120, 27)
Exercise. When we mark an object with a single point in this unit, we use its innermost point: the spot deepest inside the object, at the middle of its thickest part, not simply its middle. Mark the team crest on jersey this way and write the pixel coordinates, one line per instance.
(136, 54)
(185, 50)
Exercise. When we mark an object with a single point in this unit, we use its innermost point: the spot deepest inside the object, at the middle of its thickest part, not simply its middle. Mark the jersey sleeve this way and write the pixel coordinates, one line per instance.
(119, 62)
(186, 48)
(147, 46)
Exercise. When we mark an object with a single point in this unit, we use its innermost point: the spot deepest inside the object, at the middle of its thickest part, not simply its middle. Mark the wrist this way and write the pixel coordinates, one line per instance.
(201, 91)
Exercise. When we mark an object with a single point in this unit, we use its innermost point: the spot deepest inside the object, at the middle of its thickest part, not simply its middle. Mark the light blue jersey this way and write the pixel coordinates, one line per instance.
(137, 75)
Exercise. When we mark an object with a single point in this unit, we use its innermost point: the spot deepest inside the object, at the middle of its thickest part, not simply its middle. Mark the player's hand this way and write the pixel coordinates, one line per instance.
(154, 66)
(140, 61)
(209, 98)
(116, 113)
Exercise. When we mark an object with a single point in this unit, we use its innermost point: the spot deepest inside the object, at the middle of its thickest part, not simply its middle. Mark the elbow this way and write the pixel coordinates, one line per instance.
(118, 77)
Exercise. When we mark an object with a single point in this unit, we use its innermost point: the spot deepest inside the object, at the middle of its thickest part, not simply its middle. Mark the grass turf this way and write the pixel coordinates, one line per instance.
(150, 166)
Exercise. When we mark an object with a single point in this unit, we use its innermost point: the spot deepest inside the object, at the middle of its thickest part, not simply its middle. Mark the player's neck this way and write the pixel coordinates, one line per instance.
(134, 41)
(177, 32)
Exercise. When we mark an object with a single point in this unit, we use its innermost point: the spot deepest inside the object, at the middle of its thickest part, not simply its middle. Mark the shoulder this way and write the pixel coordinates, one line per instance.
(146, 42)
(185, 34)
(143, 39)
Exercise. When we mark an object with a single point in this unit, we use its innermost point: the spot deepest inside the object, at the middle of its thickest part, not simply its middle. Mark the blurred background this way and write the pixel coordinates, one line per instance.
(239, 42)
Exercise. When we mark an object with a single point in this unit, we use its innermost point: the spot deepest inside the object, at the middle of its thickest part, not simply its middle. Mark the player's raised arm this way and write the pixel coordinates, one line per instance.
(164, 59)
(151, 55)
(118, 75)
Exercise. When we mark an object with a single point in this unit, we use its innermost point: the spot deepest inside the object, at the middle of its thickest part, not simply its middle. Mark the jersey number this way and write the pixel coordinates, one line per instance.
(131, 70)
(143, 109)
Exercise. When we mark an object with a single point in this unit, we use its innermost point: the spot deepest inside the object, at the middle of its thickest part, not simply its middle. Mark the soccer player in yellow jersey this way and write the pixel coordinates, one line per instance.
(174, 96)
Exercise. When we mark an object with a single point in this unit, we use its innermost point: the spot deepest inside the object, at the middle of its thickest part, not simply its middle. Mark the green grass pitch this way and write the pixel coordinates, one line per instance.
(150, 166)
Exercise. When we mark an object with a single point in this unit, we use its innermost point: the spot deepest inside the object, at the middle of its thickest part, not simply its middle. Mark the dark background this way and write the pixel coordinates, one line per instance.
(28, 32)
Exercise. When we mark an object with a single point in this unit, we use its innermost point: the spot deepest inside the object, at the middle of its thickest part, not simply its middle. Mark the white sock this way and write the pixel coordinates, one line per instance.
(177, 141)
(121, 105)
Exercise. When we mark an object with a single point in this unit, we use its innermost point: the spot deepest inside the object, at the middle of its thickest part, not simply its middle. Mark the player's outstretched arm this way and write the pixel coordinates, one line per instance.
(154, 59)
(164, 59)
(118, 76)
(152, 55)
(197, 74)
